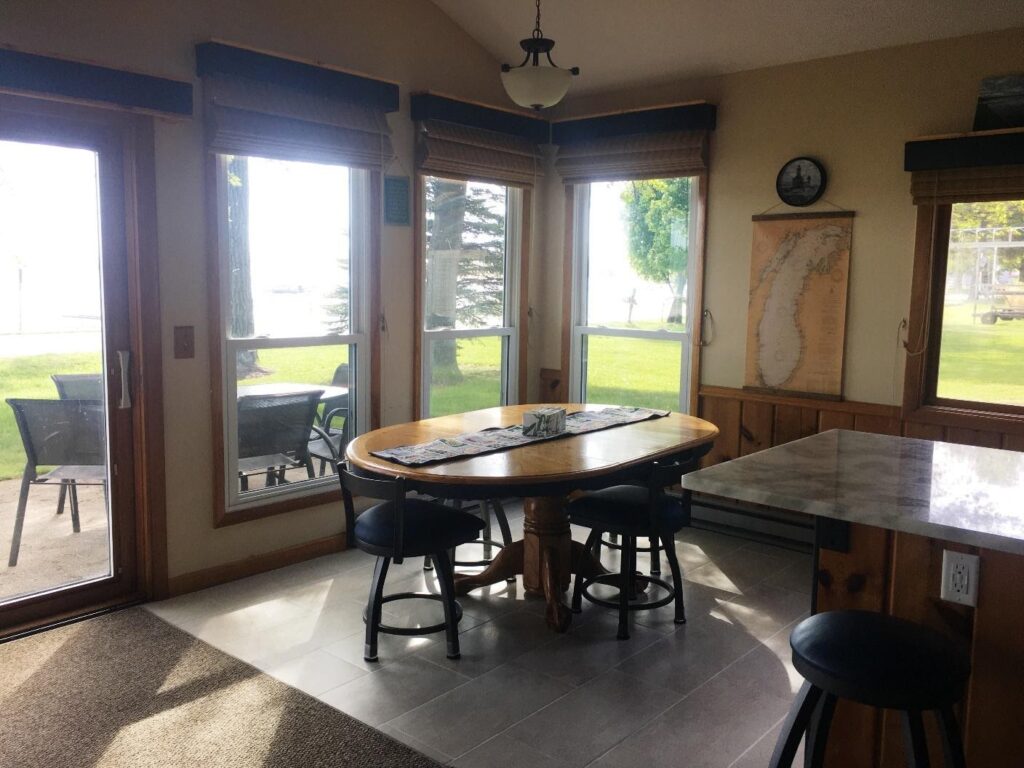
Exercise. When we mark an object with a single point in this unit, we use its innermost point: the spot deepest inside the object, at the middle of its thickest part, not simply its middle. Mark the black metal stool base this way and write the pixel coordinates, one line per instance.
(388, 629)
(631, 583)
(612, 542)
(374, 607)
(811, 717)
(612, 579)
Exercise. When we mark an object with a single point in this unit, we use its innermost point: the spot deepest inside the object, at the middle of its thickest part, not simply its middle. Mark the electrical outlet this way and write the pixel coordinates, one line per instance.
(960, 577)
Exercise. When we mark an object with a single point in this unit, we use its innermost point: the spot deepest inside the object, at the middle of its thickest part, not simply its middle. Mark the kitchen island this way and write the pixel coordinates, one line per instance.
(885, 508)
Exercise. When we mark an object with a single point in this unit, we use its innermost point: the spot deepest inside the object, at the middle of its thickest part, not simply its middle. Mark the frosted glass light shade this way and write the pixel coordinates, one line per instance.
(536, 86)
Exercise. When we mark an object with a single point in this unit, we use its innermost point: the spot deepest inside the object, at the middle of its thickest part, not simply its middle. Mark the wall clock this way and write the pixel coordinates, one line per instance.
(801, 181)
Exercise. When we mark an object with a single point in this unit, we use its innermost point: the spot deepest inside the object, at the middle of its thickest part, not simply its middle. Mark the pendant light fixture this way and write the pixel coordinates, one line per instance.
(533, 84)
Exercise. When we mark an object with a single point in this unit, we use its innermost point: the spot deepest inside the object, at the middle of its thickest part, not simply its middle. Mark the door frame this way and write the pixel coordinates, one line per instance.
(143, 540)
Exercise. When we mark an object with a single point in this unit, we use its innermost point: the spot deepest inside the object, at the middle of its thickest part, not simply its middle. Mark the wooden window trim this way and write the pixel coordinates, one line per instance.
(696, 337)
(523, 310)
(221, 516)
(924, 331)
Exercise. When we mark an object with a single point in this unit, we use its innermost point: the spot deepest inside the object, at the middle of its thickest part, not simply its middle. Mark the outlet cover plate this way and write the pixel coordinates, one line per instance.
(960, 577)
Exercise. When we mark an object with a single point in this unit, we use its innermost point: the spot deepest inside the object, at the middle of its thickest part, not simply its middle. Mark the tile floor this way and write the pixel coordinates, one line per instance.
(712, 692)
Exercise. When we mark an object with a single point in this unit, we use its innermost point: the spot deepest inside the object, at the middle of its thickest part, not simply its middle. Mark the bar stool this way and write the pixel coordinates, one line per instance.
(880, 661)
(634, 511)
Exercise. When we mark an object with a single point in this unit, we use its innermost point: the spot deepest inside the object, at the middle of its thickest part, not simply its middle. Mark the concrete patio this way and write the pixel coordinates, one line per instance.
(52, 555)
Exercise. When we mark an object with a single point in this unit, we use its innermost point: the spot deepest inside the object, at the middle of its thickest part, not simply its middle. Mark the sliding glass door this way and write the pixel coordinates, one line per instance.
(633, 266)
(66, 461)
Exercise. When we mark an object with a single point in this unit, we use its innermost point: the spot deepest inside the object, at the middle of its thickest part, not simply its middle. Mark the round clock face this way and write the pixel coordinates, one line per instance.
(801, 181)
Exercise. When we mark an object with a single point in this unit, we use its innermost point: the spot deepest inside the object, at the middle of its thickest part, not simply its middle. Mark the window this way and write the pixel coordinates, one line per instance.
(293, 257)
(296, 155)
(979, 307)
(634, 259)
(470, 290)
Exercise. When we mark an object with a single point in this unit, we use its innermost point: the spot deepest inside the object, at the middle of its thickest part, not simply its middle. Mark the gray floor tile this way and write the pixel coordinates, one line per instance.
(699, 601)
(416, 744)
(593, 718)
(737, 570)
(691, 656)
(491, 644)
(503, 752)
(798, 576)
(728, 667)
(462, 719)
(396, 689)
(763, 610)
(715, 725)
(390, 648)
(315, 672)
(588, 650)
(760, 753)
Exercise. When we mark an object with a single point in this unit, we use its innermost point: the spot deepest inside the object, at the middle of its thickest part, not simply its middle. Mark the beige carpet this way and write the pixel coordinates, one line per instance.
(127, 689)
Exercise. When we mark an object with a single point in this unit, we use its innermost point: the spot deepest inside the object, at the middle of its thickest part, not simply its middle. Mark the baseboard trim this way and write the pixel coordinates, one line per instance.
(250, 566)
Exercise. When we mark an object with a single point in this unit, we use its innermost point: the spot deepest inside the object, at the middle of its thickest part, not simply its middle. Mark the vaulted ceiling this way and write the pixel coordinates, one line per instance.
(620, 43)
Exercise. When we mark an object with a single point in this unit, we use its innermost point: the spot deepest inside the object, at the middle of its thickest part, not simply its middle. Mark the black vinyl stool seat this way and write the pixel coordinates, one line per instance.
(880, 661)
(632, 511)
(397, 528)
(484, 510)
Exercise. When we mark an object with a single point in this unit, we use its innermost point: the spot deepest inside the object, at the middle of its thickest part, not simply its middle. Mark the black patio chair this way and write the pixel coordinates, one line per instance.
(332, 418)
(326, 443)
(78, 386)
(397, 528)
(68, 435)
(273, 435)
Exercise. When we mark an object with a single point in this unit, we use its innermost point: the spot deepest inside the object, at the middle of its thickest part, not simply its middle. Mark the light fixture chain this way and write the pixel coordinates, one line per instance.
(536, 29)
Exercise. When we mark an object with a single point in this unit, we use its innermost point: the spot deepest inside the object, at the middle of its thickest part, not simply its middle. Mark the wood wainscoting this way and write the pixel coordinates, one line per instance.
(751, 421)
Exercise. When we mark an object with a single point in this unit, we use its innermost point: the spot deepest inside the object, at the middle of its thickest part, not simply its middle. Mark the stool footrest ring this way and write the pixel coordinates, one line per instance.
(412, 631)
(614, 579)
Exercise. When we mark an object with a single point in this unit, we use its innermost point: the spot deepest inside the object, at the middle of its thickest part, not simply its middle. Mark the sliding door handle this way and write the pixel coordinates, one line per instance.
(124, 359)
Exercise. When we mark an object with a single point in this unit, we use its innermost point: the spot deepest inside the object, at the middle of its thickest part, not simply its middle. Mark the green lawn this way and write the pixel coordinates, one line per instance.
(979, 362)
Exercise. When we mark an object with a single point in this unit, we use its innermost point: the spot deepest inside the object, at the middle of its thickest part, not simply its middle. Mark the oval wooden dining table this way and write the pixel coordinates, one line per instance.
(542, 474)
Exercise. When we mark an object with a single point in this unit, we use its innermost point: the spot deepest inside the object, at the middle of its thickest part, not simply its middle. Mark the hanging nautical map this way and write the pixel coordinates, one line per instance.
(796, 322)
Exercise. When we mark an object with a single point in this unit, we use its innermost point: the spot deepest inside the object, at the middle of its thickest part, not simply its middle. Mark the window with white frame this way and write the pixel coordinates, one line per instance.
(470, 289)
(293, 257)
(634, 257)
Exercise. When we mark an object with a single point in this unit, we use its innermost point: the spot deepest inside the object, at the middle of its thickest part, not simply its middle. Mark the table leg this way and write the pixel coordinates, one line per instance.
(546, 557)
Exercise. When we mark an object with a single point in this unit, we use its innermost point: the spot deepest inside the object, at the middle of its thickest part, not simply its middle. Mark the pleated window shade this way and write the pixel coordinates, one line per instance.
(967, 185)
(251, 117)
(451, 149)
(638, 156)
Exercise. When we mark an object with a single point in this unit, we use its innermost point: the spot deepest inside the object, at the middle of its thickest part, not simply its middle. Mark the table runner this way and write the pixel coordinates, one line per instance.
(503, 438)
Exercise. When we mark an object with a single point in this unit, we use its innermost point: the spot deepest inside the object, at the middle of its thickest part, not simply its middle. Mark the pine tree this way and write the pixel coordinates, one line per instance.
(465, 242)
(242, 323)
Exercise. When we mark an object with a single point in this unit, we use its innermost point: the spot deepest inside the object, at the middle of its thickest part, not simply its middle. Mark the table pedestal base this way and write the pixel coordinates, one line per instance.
(546, 557)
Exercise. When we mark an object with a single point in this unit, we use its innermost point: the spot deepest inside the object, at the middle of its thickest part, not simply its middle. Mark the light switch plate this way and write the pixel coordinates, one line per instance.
(184, 342)
(960, 577)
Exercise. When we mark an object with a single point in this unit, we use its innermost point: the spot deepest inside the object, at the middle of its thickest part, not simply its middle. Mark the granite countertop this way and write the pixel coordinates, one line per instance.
(958, 493)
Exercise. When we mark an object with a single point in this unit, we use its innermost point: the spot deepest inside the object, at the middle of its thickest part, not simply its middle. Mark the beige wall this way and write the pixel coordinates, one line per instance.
(408, 41)
(854, 113)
